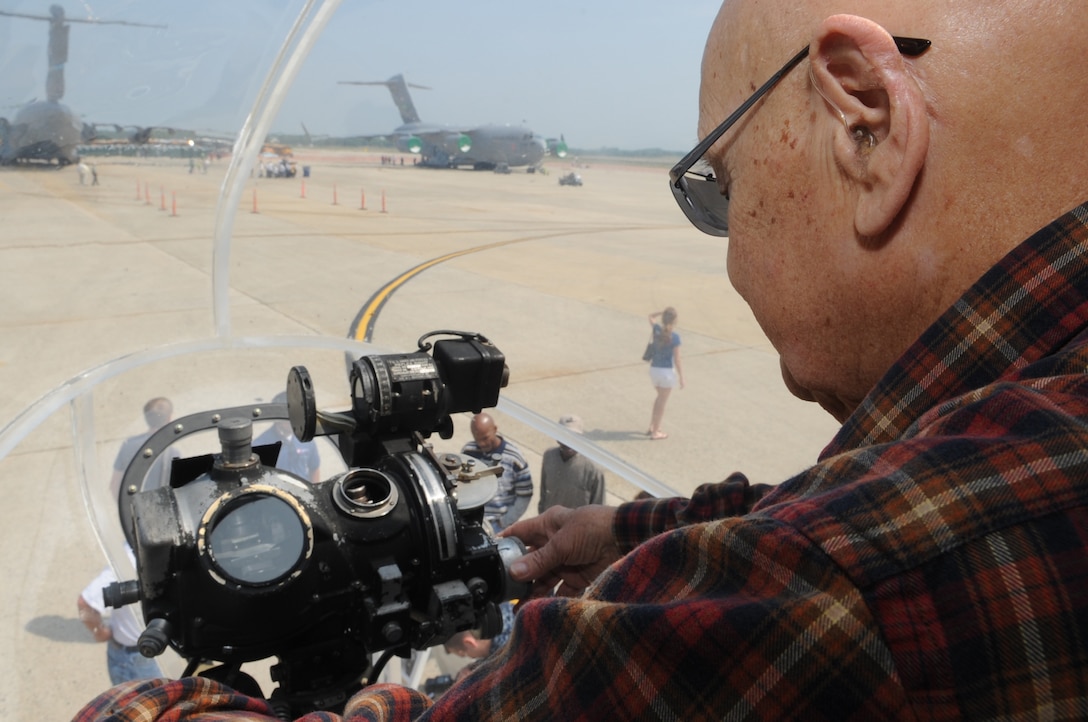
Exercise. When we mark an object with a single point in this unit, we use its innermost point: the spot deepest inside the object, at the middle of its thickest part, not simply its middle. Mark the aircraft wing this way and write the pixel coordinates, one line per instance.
(430, 140)
(421, 139)
(118, 133)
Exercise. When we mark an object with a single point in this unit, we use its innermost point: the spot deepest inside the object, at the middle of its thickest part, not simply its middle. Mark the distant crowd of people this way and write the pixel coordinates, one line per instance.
(281, 168)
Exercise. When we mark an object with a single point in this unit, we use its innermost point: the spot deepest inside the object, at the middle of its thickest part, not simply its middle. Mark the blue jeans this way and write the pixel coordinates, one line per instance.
(126, 663)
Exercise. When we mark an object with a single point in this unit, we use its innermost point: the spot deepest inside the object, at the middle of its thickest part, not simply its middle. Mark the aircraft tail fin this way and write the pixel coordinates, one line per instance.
(398, 88)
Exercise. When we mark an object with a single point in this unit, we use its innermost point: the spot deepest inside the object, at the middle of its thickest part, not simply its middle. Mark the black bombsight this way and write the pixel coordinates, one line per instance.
(239, 561)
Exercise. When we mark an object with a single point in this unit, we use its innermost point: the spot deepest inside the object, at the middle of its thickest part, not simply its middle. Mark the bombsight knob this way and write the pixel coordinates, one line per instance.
(236, 442)
(301, 404)
(118, 594)
(155, 638)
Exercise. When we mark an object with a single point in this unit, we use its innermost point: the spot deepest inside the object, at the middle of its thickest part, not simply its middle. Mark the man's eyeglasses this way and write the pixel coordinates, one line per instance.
(698, 193)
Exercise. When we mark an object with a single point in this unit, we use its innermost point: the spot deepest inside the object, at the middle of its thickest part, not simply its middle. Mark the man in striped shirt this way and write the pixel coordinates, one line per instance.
(515, 484)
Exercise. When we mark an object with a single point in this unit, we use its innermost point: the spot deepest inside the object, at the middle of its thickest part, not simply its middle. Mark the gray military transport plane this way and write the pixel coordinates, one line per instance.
(48, 131)
(485, 147)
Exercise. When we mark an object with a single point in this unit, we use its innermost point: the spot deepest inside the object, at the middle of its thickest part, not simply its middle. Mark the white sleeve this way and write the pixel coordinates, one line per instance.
(92, 593)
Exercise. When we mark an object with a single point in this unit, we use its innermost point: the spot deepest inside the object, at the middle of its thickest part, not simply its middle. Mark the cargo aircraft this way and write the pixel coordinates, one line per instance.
(48, 131)
(485, 147)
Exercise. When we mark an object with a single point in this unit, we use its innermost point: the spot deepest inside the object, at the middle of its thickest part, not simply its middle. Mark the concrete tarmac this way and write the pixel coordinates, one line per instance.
(560, 278)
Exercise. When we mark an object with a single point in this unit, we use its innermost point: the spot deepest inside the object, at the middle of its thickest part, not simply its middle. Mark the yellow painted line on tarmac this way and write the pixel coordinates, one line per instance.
(362, 327)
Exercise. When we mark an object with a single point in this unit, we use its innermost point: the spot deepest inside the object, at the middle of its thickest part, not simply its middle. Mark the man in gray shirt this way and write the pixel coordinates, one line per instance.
(566, 477)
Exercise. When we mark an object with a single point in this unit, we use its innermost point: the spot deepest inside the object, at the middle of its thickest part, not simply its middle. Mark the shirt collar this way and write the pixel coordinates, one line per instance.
(1034, 301)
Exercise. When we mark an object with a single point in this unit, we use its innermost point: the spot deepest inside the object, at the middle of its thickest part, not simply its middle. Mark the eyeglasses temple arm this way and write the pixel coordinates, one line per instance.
(911, 47)
(698, 151)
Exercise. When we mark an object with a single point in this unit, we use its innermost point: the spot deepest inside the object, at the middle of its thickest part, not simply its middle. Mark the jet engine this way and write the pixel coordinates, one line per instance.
(457, 143)
(411, 144)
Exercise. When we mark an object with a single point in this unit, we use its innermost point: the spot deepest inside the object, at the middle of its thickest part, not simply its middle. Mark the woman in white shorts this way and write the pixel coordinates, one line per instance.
(666, 371)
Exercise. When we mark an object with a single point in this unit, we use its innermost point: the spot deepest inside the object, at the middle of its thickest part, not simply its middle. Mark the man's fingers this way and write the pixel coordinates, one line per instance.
(537, 530)
(533, 565)
(528, 531)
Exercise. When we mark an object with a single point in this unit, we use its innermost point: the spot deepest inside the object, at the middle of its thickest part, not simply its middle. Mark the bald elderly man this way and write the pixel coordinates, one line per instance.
(901, 184)
(515, 485)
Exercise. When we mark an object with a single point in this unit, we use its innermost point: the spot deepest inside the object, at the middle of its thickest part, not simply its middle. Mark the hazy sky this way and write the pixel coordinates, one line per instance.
(602, 73)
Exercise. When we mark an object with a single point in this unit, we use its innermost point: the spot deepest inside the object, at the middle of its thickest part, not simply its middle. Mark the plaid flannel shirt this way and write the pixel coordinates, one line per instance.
(933, 565)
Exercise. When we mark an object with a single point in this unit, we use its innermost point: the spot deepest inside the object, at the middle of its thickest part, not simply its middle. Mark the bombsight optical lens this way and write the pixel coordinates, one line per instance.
(256, 539)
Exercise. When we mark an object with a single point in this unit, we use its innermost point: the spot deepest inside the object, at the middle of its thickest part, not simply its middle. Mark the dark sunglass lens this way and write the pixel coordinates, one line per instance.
(709, 208)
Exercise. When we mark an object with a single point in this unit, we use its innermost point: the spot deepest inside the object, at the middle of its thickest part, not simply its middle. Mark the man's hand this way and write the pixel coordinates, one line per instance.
(572, 546)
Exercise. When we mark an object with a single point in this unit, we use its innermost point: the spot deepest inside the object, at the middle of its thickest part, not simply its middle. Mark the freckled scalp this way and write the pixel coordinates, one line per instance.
(750, 39)
(745, 45)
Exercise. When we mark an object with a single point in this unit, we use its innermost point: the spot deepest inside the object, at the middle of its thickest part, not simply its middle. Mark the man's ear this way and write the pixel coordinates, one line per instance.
(883, 138)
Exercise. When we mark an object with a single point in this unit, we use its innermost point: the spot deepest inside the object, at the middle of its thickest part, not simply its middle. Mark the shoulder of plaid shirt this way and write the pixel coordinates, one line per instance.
(933, 564)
